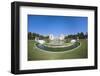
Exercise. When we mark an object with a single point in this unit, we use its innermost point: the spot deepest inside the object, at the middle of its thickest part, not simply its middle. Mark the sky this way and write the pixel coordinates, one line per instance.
(57, 25)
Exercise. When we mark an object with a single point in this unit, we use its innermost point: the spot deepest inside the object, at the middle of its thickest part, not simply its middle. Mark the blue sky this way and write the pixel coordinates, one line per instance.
(56, 25)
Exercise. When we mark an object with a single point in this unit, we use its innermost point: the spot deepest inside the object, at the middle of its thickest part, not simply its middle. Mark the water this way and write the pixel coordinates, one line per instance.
(56, 42)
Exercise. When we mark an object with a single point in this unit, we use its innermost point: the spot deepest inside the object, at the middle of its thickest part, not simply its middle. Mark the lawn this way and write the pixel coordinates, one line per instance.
(35, 53)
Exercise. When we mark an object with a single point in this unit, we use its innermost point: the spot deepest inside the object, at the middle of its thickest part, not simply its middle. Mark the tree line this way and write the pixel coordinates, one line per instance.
(32, 36)
(79, 35)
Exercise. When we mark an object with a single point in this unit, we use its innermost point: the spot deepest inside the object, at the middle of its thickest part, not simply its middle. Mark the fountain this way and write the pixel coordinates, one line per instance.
(57, 44)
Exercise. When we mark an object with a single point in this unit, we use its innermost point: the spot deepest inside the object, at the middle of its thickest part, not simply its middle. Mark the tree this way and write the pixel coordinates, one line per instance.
(80, 35)
(86, 35)
(32, 36)
(29, 35)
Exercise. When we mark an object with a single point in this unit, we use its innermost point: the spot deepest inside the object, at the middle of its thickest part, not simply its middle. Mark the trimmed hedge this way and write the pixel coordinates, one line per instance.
(76, 44)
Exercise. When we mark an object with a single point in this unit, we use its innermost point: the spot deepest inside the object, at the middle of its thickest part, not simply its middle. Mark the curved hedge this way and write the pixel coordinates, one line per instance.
(76, 44)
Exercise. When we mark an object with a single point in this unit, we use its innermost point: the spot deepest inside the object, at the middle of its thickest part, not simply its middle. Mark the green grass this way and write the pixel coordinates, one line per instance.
(39, 54)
